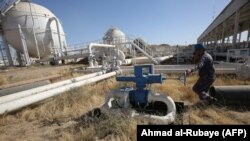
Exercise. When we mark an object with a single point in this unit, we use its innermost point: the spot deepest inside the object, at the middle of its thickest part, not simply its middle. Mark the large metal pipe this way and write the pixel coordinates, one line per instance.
(22, 102)
(26, 93)
(143, 59)
(232, 95)
(163, 58)
(58, 31)
(219, 69)
(92, 45)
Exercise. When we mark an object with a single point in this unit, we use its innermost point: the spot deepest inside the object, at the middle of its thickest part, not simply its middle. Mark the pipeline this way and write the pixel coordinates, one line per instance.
(92, 45)
(29, 92)
(232, 95)
(164, 58)
(142, 60)
(58, 31)
(219, 69)
(25, 101)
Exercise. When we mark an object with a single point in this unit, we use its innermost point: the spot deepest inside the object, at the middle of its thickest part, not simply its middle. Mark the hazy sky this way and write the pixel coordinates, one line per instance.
(156, 21)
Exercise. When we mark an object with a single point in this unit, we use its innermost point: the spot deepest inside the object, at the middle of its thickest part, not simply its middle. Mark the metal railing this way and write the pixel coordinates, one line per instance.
(126, 44)
(6, 4)
(114, 41)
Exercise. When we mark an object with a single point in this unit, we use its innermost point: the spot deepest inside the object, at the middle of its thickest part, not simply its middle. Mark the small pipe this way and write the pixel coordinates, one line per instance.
(22, 102)
(232, 95)
(26, 93)
(58, 31)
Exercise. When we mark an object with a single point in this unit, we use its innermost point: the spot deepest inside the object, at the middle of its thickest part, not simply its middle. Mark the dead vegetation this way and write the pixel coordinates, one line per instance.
(13, 75)
(2, 80)
(60, 118)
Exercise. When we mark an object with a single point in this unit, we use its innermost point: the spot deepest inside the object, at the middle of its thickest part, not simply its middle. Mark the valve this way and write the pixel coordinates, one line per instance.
(143, 76)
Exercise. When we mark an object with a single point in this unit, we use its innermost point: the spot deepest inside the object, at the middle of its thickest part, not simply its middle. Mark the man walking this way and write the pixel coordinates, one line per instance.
(205, 67)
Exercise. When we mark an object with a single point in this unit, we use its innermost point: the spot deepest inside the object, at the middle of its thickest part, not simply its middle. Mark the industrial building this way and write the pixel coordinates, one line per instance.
(227, 38)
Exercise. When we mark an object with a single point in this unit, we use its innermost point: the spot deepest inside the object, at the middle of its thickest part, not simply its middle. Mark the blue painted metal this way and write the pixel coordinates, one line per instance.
(143, 75)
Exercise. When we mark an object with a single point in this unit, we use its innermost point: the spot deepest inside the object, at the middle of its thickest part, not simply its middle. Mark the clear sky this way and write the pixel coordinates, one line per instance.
(156, 21)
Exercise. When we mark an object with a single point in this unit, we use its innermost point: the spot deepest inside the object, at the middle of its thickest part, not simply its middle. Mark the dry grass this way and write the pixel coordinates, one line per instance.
(31, 72)
(2, 80)
(55, 118)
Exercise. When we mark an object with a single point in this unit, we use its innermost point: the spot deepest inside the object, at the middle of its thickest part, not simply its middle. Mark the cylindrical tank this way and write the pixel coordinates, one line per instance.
(140, 42)
(42, 31)
(114, 35)
(232, 95)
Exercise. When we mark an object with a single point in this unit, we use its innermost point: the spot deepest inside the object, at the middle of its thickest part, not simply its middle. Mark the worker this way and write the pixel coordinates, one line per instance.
(205, 67)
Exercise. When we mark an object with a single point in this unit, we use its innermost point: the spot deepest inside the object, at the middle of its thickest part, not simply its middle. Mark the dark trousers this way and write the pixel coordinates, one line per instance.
(202, 86)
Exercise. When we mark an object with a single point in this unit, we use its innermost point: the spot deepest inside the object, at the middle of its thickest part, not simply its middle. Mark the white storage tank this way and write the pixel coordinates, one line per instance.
(114, 35)
(41, 30)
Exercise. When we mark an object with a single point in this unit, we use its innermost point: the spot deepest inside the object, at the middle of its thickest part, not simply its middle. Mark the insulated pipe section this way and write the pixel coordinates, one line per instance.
(26, 93)
(232, 95)
(22, 102)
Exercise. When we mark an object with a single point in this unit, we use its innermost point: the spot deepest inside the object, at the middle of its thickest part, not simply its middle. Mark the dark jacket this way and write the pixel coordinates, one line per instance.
(206, 67)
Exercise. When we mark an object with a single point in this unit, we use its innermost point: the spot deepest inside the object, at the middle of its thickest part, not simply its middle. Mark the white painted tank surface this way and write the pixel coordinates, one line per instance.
(114, 35)
(39, 27)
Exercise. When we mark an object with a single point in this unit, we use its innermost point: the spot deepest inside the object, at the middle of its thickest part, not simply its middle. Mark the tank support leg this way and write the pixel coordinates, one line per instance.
(24, 46)
(7, 51)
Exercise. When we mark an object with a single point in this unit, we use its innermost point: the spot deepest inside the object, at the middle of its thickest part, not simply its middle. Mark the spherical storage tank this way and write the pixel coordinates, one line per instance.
(40, 29)
(114, 35)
